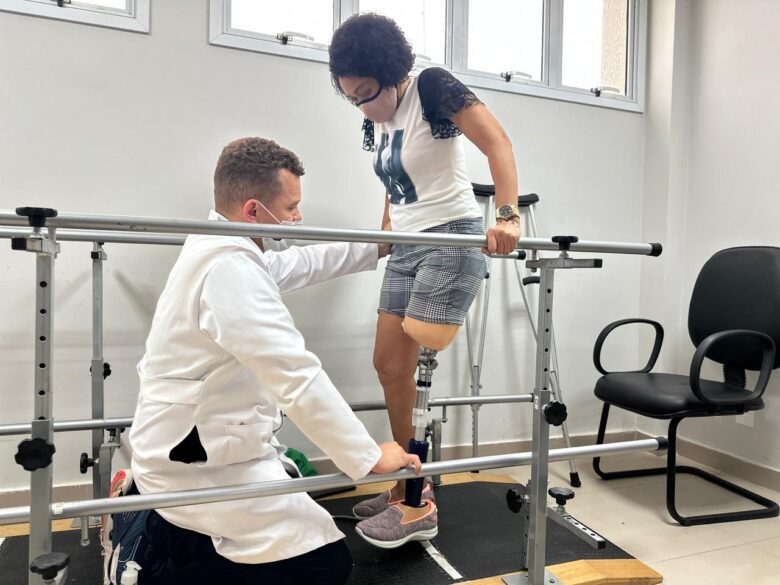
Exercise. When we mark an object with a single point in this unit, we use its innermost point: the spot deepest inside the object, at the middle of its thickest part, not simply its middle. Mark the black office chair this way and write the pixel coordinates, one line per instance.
(734, 319)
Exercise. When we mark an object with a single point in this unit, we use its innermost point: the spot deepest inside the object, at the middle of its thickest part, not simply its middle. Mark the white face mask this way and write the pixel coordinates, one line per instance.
(278, 244)
(274, 245)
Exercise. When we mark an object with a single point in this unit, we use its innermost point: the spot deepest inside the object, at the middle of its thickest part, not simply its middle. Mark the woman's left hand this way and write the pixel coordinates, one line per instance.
(503, 237)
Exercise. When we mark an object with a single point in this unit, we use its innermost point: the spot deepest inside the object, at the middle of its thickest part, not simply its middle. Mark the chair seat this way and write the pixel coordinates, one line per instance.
(667, 395)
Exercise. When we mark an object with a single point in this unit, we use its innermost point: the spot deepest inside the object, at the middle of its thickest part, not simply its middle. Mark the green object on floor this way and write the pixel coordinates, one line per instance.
(303, 465)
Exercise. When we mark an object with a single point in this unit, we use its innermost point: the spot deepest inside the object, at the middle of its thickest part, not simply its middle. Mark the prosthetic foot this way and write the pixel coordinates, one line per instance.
(416, 517)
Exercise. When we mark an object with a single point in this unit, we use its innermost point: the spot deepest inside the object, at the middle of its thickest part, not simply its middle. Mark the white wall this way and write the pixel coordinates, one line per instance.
(734, 189)
(102, 121)
(722, 145)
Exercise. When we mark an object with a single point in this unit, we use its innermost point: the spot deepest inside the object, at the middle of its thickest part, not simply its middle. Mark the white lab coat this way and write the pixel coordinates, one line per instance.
(223, 355)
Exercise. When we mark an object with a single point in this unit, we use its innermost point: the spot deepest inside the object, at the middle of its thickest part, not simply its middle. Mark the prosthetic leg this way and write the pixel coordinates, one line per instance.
(426, 363)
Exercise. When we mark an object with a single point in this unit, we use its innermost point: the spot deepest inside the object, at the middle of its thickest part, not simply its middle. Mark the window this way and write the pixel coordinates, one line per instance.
(132, 15)
(309, 20)
(587, 51)
(595, 34)
(505, 36)
(424, 23)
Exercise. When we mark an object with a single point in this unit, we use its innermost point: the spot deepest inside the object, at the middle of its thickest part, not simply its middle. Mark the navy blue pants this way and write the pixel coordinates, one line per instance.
(169, 555)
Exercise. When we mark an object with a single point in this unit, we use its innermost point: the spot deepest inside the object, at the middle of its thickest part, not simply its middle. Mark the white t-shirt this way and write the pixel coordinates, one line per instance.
(419, 155)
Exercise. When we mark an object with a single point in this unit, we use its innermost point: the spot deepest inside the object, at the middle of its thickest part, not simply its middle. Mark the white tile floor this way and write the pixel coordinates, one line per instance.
(632, 514)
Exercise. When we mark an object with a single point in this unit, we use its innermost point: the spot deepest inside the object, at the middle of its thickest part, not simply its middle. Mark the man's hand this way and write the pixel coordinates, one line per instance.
(502, 238)
(394, 458)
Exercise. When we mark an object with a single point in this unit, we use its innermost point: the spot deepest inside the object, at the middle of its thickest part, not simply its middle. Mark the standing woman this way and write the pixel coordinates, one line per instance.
(415, 128)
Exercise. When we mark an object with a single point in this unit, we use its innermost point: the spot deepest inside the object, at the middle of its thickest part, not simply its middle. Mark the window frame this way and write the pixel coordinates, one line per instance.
(135, 19)
(456, 52)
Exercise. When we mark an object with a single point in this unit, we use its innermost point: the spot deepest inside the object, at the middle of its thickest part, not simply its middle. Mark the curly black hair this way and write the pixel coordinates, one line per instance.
(370, 45)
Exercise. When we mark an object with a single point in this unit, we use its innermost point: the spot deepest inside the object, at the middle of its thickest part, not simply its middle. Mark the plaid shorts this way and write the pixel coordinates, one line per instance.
(434, 284)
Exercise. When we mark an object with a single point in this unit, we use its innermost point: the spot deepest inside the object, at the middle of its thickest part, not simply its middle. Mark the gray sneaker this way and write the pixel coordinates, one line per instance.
(388, 530)
(380, 503)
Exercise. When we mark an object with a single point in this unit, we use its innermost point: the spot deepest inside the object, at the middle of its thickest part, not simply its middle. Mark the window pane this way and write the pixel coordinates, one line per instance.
(311, 17)
(506, 35)
(595, 42)
(115, 4)
(423, 23)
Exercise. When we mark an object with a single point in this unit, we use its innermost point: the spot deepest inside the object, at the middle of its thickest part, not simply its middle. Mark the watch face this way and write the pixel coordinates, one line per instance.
(505, 211)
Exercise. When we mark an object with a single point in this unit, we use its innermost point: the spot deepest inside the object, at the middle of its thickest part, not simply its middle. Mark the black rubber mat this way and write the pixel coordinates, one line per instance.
(85, 566)
(478, 535)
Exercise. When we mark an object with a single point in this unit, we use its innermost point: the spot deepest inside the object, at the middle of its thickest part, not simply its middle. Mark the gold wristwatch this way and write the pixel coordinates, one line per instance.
(507, 213)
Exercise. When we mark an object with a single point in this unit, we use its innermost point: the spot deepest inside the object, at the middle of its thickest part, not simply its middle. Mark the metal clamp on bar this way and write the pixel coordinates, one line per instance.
(565, 262)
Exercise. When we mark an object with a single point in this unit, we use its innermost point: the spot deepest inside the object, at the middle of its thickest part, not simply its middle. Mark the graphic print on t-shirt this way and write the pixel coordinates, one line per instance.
(389, 169)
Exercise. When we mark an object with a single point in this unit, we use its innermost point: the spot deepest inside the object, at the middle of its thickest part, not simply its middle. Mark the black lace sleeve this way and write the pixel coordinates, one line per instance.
(442, 96)
(368, 135)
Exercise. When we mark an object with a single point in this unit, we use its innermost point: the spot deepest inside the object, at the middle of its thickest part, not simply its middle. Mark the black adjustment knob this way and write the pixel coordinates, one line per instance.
(555, 413)
(106, 370)
(36, 216)
(515, 500)
(85, 462)
(34, 454)
(561, 495)
(565, 242)
(49, 565)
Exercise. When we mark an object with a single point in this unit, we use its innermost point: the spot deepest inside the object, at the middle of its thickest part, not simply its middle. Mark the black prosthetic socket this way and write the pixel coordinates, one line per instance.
(414, 487)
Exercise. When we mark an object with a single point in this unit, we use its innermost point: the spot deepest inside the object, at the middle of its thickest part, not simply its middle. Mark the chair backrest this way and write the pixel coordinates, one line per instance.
(738, 288)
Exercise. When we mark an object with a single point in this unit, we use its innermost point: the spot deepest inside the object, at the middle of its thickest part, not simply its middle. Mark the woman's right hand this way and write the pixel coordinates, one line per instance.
(385, 249)
(394, 458)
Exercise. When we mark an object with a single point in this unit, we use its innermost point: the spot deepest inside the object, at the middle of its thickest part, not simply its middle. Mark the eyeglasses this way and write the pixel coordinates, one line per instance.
(356, 102)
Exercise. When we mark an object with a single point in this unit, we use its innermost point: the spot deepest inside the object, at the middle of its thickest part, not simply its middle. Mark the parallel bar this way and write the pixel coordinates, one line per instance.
(105, 237)
(102, 237)
(123, 423)
(332, 481)
(185, 226)
(70, 425)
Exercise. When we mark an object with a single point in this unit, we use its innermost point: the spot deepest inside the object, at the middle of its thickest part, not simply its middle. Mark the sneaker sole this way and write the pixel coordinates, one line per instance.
(421, 535)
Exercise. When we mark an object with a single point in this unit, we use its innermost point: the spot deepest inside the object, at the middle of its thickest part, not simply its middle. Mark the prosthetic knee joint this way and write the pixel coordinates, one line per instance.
(426, 363)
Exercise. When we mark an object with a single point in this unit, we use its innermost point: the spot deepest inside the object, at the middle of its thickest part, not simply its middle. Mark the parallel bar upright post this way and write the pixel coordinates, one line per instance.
(537, 530)
(99, 482)
(42, 425)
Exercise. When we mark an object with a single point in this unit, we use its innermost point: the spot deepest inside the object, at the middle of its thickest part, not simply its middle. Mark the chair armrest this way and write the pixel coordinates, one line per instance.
(659, 339)
(767, 361)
